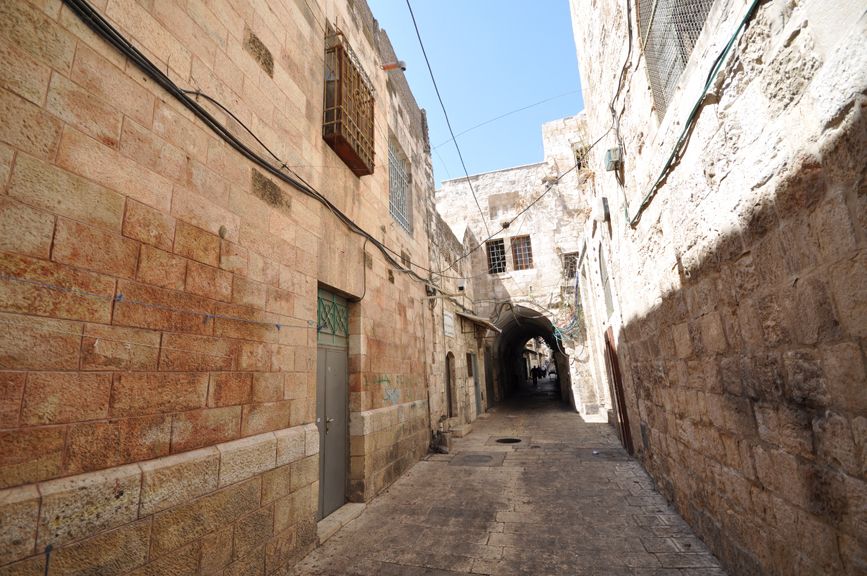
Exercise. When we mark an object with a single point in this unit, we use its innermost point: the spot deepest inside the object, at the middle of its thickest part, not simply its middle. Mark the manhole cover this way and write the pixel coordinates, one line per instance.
(514, 442)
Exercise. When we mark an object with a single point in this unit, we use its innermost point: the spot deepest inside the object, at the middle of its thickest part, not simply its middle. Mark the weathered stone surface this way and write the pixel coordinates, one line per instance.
(31, 286)
(143, 223)
(117, 348)
(35, 229)
(174, 480)
(114, 552)
(198, 428)
(184, 562)
(175, 527)
(230, 388)
(252, 530)
(290, 445)
(19, 508)
(216, 551)
(76, 507)
(31, 454)
(101, 444)
(247, 457)
(136, 393)
(57, 397)
(161, 268)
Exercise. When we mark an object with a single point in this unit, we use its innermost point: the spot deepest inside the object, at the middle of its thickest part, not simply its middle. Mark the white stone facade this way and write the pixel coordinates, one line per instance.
(738, 284)
(546, 202)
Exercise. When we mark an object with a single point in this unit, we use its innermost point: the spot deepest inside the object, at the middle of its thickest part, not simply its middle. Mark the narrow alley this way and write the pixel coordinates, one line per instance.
(402, 288)
(565, 499)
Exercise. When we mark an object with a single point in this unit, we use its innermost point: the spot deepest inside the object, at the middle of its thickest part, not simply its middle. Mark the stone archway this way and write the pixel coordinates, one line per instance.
(520, 324)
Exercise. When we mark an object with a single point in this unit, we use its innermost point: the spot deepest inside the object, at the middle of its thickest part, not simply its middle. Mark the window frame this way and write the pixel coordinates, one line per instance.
(522, 261)
(399, 185)
(348, 106)
(501, 263)
(570, 263)
(667, 36)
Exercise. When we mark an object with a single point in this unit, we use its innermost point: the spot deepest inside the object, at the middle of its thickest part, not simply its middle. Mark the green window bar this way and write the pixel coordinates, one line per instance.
(332, 319)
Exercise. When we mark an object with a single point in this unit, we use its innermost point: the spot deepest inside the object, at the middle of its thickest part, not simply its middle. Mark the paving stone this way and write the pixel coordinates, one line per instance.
(565, 500)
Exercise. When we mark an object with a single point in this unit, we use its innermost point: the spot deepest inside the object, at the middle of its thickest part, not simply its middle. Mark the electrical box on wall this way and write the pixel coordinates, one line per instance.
(612, 159)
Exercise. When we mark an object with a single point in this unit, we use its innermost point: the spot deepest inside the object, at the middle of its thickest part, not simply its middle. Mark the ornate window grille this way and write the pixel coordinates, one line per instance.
(399, 191)
(332, 319)
(522, 253)
(570, 264)
(496, 256)
(669, 30)
(347, 124)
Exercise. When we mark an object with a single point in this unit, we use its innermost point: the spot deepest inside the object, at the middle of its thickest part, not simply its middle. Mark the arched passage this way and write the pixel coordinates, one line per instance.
(520, 325)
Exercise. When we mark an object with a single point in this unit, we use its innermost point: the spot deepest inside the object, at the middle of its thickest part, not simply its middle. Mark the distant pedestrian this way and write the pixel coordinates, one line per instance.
(534, 372)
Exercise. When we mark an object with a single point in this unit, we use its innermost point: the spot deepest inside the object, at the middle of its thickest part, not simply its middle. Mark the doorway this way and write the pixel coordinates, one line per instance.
(473, 372)
(451, 393)
(613, 366)
(332, 399)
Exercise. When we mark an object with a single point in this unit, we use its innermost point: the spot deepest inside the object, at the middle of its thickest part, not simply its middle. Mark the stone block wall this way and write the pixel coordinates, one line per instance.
(158, 306)
(455, 260)
(551, 224)
(740, 295)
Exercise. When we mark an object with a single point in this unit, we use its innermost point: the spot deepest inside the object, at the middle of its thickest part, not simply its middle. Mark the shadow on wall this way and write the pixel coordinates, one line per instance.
(746, 387)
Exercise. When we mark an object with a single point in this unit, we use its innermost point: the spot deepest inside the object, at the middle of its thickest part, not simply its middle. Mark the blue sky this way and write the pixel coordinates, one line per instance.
(489, 57)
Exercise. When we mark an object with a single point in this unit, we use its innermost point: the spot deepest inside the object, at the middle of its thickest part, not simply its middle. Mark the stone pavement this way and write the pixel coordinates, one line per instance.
(565, 500)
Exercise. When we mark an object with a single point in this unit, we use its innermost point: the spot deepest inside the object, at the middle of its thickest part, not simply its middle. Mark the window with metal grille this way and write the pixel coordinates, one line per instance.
(570, 264)
(496, 256)
(347, 123)
(522, 253)
(399, 191)
(669, 30)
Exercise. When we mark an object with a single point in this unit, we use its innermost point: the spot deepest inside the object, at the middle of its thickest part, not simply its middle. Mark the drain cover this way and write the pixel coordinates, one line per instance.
(508, 440)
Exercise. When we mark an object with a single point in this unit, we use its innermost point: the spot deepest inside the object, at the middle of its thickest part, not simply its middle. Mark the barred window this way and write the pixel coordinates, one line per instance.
(570, 264)
(347, 123)
(496, 256)
(522, 252)
(399, 191)
(669, 30)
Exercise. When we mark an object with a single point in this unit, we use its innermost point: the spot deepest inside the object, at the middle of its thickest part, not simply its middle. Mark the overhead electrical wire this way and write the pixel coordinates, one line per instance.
(530, 205)
(509, 113)
(448, 123)
(104, 29)
(679, 144)
(186, 97)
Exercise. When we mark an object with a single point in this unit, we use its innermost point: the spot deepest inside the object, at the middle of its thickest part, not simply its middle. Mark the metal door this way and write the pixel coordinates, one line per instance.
(332, 396)
(619, 398)
(476, 382)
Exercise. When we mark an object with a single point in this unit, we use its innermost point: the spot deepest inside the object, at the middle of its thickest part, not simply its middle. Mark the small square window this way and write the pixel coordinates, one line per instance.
(522, 252)
(496, 256)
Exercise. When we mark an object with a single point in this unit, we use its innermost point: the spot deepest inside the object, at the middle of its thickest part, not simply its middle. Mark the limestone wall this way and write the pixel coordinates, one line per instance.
(454, 275)
(552, 224)
(158, 292)
(740, 295)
